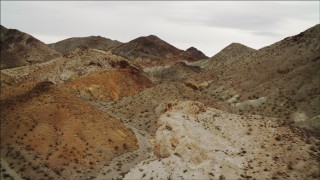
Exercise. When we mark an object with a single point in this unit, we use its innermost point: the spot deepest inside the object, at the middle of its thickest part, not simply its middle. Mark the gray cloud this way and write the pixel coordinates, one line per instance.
(265, 33)
(209, 26)
(252, 16)
(232, 21)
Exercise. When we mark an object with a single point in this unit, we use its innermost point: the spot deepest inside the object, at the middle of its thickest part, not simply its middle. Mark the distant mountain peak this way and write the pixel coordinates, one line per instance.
(236, 48)
(191, 49)
(20, 49)
(147, 47)
(195, 54)
(237, 45)
(152, 47)
(94, 42)
(149, 38)
(153, 36)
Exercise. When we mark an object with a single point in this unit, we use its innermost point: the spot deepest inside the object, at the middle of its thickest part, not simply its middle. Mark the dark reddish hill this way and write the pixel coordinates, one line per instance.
(153, 48)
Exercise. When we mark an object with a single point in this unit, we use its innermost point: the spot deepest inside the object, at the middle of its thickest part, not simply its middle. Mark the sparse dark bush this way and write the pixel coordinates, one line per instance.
(125, 146)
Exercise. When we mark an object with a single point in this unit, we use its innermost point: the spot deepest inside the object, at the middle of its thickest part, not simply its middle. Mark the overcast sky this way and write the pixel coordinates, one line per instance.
(208, 26)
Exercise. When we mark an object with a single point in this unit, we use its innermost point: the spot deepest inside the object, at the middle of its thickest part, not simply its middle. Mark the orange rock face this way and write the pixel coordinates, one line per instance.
(109, 85)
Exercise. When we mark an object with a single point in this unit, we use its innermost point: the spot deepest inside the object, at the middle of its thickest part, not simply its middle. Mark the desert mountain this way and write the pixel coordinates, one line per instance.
(241, 114)
(273, 75)
(257, 81)
(93, 42)
(153, 48)
(20, 49)
(234, 52)
(193, 54)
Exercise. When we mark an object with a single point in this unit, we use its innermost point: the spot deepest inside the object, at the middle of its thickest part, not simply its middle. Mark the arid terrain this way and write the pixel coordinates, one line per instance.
(96, 108)
(20, 49)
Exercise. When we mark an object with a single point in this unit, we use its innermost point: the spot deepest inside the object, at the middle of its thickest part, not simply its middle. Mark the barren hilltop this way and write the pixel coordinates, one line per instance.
(95, 108)
(20, 49)
(94, 42)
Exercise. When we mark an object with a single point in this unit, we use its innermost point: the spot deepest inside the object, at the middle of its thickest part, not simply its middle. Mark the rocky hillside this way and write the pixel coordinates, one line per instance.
(93, 42)
(143, 110)
(109, 85)
(233, 53)
(193, 141)
(285, 73)
(48, 133)
(153, 48)
(177, 72)
(280, 80)
(80, 62)
(20, 49)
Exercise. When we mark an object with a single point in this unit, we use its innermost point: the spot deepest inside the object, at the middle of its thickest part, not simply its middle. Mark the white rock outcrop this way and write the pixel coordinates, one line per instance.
(196, 142)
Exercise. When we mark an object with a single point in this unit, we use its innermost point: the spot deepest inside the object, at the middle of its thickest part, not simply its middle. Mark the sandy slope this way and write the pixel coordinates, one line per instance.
(120, 165)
